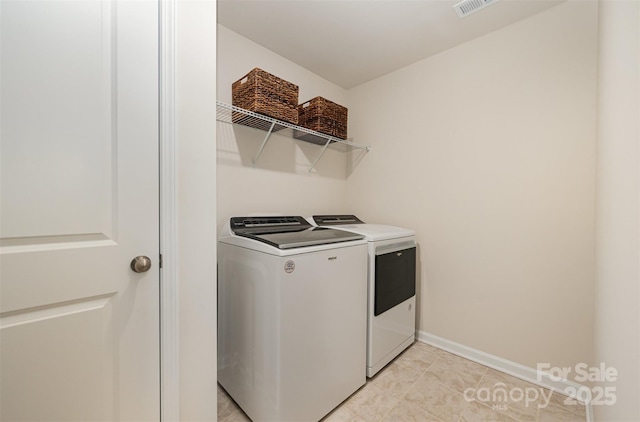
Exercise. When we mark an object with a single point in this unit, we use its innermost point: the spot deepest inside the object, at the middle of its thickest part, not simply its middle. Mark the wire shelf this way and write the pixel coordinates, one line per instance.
(227, 113)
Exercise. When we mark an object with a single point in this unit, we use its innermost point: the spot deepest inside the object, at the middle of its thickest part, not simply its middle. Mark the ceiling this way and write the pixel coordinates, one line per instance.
(349, 42)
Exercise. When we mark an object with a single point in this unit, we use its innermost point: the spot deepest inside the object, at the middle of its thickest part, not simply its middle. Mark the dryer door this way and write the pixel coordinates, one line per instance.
(395, 279)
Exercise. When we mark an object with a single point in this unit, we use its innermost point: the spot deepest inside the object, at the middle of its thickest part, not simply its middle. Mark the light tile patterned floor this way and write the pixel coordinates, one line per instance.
(425, 384)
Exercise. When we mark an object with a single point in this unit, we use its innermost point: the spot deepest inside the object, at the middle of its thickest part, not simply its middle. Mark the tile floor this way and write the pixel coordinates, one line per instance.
(426, 384)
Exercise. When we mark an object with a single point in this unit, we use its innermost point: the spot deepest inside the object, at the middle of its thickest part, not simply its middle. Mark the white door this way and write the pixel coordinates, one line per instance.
(79, 330)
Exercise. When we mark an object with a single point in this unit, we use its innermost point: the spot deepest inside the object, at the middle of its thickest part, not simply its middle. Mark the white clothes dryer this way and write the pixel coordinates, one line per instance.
(391, 297)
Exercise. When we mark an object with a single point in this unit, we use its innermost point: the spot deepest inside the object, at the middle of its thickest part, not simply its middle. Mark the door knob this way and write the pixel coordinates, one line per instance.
(140, 264)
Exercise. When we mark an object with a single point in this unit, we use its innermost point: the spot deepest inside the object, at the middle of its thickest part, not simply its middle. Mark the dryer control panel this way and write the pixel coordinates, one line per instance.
(334, 220)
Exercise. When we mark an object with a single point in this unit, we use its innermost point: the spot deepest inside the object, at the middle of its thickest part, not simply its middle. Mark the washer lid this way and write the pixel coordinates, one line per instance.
(288, 232)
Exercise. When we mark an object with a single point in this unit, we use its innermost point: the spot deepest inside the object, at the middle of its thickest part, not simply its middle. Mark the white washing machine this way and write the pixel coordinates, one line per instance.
(292, 316)
(391, 314)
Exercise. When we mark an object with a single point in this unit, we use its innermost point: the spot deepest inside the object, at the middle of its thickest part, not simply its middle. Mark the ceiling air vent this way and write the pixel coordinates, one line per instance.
(467, 7)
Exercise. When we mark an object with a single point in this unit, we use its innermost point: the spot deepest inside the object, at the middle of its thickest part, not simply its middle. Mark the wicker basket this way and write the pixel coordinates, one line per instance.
(264, 93)
(323, 116)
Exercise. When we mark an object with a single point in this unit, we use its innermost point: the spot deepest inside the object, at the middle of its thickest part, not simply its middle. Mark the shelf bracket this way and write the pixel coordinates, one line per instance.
(264, 142)
(324, 148)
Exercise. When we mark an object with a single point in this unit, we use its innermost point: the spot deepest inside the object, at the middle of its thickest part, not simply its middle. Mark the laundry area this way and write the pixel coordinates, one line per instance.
(469, 145)
(320, 210)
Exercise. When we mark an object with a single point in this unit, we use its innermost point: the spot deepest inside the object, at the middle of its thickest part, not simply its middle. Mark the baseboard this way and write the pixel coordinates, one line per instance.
(511, 368)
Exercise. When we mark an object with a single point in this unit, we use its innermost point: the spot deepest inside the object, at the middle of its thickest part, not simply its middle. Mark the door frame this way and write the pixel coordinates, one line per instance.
(188, 303)
(169, 317)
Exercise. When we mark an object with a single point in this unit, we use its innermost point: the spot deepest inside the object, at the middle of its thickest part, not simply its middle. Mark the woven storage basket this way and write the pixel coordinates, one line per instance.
(264, 93)
(323, 116)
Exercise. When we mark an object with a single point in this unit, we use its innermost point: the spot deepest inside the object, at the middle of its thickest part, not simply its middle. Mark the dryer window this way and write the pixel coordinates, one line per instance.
(395, 279)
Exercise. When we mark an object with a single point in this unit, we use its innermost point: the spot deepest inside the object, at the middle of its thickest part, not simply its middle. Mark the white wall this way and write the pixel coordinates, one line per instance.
(280, 182)
(196, 191)
(488, 151)
(617, 324)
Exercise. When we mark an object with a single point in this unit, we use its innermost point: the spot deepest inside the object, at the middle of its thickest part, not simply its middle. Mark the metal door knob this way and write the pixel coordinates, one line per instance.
(140, 264)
